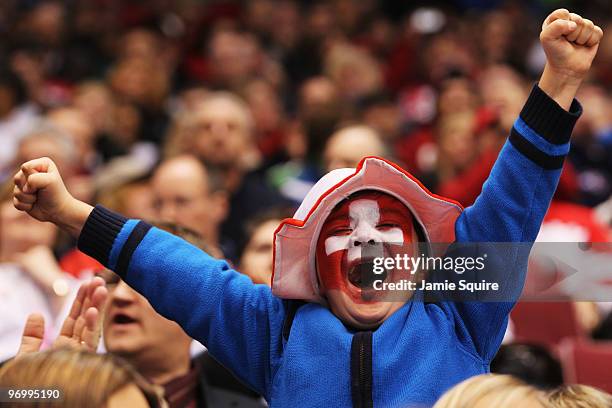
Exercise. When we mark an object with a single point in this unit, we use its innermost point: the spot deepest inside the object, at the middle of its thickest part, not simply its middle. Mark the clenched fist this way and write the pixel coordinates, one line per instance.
(570, 43)
(40, 191)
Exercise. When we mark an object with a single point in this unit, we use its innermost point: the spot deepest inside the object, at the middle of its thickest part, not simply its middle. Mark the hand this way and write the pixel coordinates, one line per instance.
(570, 43)
(82, 327)
(40, 191)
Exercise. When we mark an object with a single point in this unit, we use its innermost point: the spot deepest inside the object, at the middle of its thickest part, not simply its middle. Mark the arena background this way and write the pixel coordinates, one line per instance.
(110, 88)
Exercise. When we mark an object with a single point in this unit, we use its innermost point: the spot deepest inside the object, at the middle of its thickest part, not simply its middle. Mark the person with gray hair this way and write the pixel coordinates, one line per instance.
(219, 131)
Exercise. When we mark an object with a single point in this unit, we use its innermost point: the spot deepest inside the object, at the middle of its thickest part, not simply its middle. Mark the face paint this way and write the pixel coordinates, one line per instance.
(369, 225)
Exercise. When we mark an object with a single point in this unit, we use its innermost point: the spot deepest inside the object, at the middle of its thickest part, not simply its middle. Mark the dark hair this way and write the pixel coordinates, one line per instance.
(9, 79)
(529, 362)
(604, 330)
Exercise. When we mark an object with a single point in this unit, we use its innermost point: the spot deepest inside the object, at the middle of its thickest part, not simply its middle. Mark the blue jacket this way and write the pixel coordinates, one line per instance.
(412, 358)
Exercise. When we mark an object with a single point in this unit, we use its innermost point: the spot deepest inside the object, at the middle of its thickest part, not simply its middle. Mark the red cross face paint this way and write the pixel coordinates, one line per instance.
(368, 225)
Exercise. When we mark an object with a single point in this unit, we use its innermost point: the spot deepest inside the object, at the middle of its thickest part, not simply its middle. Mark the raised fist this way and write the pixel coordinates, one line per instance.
(40, 191)
(570, 43)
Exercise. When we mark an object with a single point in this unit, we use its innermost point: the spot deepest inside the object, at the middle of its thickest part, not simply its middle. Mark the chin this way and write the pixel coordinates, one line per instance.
(370, 316)
(121, 347)
(364, 316)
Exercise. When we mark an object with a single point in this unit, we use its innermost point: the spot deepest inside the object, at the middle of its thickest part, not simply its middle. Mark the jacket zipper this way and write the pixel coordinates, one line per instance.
(361, 370)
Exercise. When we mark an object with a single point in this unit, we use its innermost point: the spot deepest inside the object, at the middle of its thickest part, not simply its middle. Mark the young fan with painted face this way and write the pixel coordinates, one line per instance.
(344, 346)
(367, 225)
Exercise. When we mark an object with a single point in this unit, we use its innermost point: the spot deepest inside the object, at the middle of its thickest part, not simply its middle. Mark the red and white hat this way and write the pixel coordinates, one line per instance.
(294, 273)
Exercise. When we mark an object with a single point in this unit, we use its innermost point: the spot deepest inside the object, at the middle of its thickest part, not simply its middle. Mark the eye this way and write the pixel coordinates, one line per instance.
(341, 231)
(388, 225)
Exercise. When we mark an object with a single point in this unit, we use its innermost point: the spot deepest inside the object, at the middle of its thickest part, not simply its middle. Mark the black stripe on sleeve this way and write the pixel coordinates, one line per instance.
(549, 120)
(138, 233)
(99, 233)
(534, 154)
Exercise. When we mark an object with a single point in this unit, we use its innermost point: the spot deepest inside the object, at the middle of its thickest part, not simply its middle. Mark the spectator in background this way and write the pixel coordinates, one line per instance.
(219, 131)
(354, 71)
(579, 396)
(268, 119)
(185, 192)
(74, 123)
(132, 196)
(234, 58)
(320, 112)
(592, 151)
(97, 102)
(17, 116)
(52, 141)
(258, 255)
(492, 390)
(160, 351)
(84, 379)
(347, 146)
(457, 148)
(530, 363)
(30, 277)
(503, 91)
(145, 84)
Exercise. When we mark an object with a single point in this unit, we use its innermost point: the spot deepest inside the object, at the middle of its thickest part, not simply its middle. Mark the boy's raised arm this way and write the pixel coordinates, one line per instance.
(238, 321)
(516, 196)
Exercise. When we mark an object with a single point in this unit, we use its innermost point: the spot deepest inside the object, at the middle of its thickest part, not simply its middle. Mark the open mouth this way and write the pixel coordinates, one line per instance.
(121, 318)
(362, 275)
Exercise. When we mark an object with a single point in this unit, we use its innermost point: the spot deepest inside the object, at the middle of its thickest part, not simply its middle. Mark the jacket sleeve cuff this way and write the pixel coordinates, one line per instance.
(542, 114)
(99, 233)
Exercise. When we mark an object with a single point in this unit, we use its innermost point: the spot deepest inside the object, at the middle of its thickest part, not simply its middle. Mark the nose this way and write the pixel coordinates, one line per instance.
(364, 235)
(122, 294)
(167, 212)
(359, 242)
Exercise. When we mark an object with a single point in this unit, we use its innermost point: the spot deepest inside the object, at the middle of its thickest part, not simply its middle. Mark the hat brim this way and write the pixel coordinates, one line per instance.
(294, 273)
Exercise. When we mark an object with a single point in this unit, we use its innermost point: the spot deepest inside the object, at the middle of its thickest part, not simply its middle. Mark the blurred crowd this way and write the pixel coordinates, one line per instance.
(216, 117)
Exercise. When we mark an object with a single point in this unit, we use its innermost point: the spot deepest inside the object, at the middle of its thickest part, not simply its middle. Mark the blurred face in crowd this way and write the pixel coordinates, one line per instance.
(19, 232)
(76, 126)
(503, 91)
(355, 71)
(50, 144)
(317, 94)
(140, 43)
(222, 130)
(257, 258)
(7, 100)
(134, 330)
(139, 200)
(233, 56)
(140, 80)
(348, 146)
(46, 22)
(367, 225)
(264, 105)
(456, 96)
(181, 194)
(385, 118)
(445, 54)
(456, 140)
(96, 102)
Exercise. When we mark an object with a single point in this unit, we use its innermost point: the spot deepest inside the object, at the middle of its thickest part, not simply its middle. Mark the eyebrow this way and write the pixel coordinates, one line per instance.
(338, 215)
(396, 211)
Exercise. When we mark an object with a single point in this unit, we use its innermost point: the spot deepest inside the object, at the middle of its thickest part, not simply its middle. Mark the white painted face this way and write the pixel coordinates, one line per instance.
(372, 224)
(364, 227)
